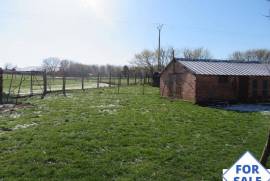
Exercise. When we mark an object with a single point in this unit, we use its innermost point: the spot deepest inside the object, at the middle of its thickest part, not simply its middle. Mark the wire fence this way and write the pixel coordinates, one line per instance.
(21, 84)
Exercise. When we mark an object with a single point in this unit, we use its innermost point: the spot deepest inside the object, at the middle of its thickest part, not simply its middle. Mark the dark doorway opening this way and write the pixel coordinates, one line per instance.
(175, 88)
(243, 89)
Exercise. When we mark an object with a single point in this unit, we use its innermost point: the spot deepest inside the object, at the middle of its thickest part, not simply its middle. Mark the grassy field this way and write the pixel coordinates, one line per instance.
(101, 135)
(54, 84)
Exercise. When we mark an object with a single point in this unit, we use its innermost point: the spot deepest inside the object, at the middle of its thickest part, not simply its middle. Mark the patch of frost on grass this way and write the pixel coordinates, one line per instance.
(109, 111)
(15, 115)
(106, 106)
(266, 113)
(23, 126)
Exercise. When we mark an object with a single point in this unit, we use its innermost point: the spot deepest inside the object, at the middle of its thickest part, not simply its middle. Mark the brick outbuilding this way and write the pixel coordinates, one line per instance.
(206, 81)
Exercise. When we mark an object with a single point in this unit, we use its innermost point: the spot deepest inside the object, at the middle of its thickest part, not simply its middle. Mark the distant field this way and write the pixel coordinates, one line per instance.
(101, 135)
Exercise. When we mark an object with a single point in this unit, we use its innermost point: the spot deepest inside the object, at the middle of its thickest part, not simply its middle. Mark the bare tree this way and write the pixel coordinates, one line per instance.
(166, 55)
(258, 55)
(64, 65)
(125, 71)
(198, 53)
(147, 60)
(237, 56)
(51, 65)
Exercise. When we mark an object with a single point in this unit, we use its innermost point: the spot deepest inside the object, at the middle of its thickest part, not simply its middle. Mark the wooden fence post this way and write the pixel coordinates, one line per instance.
(135, 78)
(119, 83)
(31, 83)
(19, 89)
(98, 80)
(128, 79)
(64, 83)
(110, 79)
(44, 84)
(82, 82)
(1, 86)
(10, 84)
(266, 151)
(143, 83)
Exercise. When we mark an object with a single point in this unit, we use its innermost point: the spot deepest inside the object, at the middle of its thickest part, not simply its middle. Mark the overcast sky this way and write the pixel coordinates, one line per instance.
(111, 31)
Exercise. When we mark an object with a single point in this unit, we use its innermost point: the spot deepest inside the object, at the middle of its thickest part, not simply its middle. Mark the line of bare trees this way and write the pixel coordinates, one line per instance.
(258, 55)
(148, 59)
(55, 66)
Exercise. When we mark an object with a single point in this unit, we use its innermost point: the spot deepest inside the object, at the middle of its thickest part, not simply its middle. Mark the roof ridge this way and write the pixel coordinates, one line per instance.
(217, 61)
(210, 68)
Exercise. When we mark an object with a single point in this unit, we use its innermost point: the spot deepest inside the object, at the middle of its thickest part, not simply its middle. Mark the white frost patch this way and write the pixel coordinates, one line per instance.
(15, 115)
(266, 113)
(69, 95)
(106, 106)
(7, 106)
(109, 111)
(23, 126)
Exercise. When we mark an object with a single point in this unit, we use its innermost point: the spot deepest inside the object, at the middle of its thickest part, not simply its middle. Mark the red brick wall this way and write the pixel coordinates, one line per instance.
(210, 89)
(178, 83)
(260, 96)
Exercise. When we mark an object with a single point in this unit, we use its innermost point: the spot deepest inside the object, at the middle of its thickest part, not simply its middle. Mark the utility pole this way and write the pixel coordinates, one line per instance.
(159, 27)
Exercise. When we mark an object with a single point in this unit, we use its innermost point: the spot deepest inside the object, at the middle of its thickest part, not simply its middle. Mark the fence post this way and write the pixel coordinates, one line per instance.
(1, 86)
(31, 83)
(135, 78)
(19, 89)
(110, 79)
(82, 82)
(119, 83)
(98, 80)
(143, 83)
(10, 85)
(64, 83)
(128, 78)
(44, 84)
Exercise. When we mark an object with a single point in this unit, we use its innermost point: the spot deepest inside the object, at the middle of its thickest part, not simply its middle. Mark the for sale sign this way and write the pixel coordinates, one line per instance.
(247, 168)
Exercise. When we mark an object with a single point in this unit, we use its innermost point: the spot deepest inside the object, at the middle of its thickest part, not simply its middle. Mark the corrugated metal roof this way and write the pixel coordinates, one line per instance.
(226, 68)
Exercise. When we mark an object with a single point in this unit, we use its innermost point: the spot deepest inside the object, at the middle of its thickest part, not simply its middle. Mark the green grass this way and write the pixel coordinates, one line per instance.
(101, 135)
